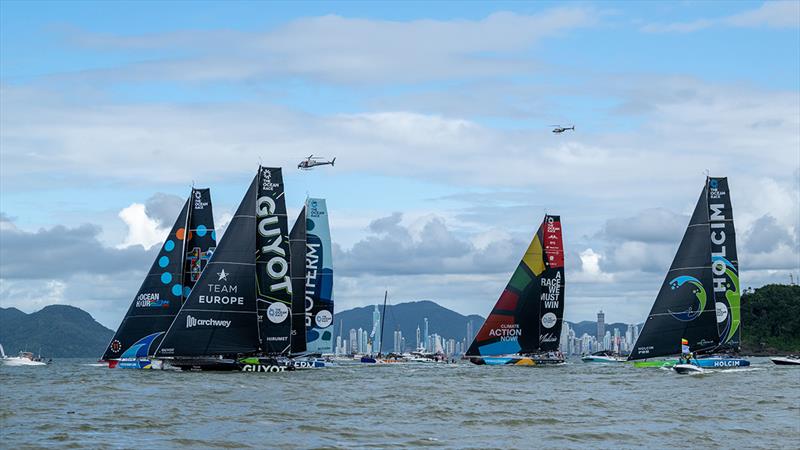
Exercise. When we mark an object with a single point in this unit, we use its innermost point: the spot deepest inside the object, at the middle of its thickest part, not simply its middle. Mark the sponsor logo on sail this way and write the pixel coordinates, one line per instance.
(198, 201)
(116, 346)
(277, 312)
(275, 251)
(549, 320)
(213, 297)
(312, 264)
(506, 332)
(547, 338)
(697, 289)
(151, 300)
(722, 312)
(324, 318)
(550, 296)
(195, 322)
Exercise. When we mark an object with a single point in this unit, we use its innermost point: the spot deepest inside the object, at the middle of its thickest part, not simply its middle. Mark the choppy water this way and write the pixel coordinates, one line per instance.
(70, 404)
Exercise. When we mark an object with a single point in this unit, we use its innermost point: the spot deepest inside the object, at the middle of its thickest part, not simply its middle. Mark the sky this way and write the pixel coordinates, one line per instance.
(440, 117)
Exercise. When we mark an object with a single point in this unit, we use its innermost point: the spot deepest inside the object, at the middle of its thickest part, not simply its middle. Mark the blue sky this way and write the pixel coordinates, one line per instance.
(440, 112)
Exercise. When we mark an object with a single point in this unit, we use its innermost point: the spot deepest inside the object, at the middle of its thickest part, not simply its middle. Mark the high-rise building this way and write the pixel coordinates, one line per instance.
(365, 344)
(470, 336)
(601, 325)
(427, 344)
(398, 337)
(418, 339)
(338, 345)
(376, 329)
(354, 336)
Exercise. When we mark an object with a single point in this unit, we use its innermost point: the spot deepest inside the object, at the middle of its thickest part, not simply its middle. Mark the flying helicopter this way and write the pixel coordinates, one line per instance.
(560, 129)
(313, 161)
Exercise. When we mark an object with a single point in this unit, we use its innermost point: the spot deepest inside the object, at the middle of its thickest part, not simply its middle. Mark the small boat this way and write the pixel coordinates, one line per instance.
(685, 369)
(790, 360)
(603, 356)
(524, 326)
(23, 359)
(699, 303)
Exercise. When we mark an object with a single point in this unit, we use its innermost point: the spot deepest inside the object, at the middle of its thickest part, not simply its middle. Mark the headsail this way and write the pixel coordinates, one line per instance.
(682, 309)
(319, 278)
(724, 263)
(528, 316)
(202, 238)
(274, 285)
(219, 316)
(297, 268)
(158, 299)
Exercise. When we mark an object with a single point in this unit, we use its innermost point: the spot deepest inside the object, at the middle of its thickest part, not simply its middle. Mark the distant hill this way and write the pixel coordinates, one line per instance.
(60, 331)
(771, 320)
(406, 317)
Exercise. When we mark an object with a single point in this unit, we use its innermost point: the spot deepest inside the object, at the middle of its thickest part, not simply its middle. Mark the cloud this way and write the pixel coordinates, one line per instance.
(765, 235)
(772, 14)
(344, 50)
(163, 208)
(656, 225)
(59, 252)
(142, 230)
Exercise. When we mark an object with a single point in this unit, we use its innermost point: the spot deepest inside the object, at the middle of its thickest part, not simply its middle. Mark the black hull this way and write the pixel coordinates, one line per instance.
(232, 365)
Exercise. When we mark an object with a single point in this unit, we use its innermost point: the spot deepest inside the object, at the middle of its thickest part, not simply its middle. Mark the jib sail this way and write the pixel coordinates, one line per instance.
(682, 309)
(528, 316)
(297, 268)
(219, 316)
(319, 278)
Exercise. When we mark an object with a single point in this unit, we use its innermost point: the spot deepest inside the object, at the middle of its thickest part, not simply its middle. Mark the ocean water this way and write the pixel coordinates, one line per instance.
(71, 404)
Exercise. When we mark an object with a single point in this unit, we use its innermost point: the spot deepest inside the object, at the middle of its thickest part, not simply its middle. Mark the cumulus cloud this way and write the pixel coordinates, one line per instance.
(657, 225)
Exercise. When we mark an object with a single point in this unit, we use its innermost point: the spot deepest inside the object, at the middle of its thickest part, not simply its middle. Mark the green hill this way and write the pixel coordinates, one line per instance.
(58, 331)
(771, 320)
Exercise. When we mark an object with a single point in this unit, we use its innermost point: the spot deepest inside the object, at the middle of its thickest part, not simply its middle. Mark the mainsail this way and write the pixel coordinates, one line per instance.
(273, 279)
(297, 269)
(219, 316)
(682, 308)
(319, 278)
(527, 318)
(167, 283)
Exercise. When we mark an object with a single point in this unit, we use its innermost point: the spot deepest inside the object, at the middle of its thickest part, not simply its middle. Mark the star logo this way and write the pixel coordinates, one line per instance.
(223, 275)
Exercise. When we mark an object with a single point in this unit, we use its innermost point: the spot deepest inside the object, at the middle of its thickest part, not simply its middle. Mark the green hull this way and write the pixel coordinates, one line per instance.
(669, 363)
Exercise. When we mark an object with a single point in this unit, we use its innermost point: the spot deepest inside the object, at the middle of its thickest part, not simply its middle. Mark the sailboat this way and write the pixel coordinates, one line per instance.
(525, 325)
(699, 300)
(380, 358)
(178, 265)
(239, 315)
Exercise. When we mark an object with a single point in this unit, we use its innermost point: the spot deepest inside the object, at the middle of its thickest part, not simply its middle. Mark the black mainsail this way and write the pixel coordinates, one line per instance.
(297, 269)
(273, 279)
(219, 317)
(682, 309)
(527, 319)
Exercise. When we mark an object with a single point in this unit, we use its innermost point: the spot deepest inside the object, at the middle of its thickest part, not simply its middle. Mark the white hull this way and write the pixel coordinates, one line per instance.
(783, 361)
(601, 359)
(14, 361)
(687, 368)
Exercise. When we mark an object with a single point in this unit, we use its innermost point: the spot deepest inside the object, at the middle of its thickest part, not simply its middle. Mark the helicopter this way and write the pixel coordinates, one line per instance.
(559, 129)
(313, 161)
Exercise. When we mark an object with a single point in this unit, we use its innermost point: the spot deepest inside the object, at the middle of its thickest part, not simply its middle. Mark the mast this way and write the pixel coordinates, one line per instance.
(527, 317)
(383, 319)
